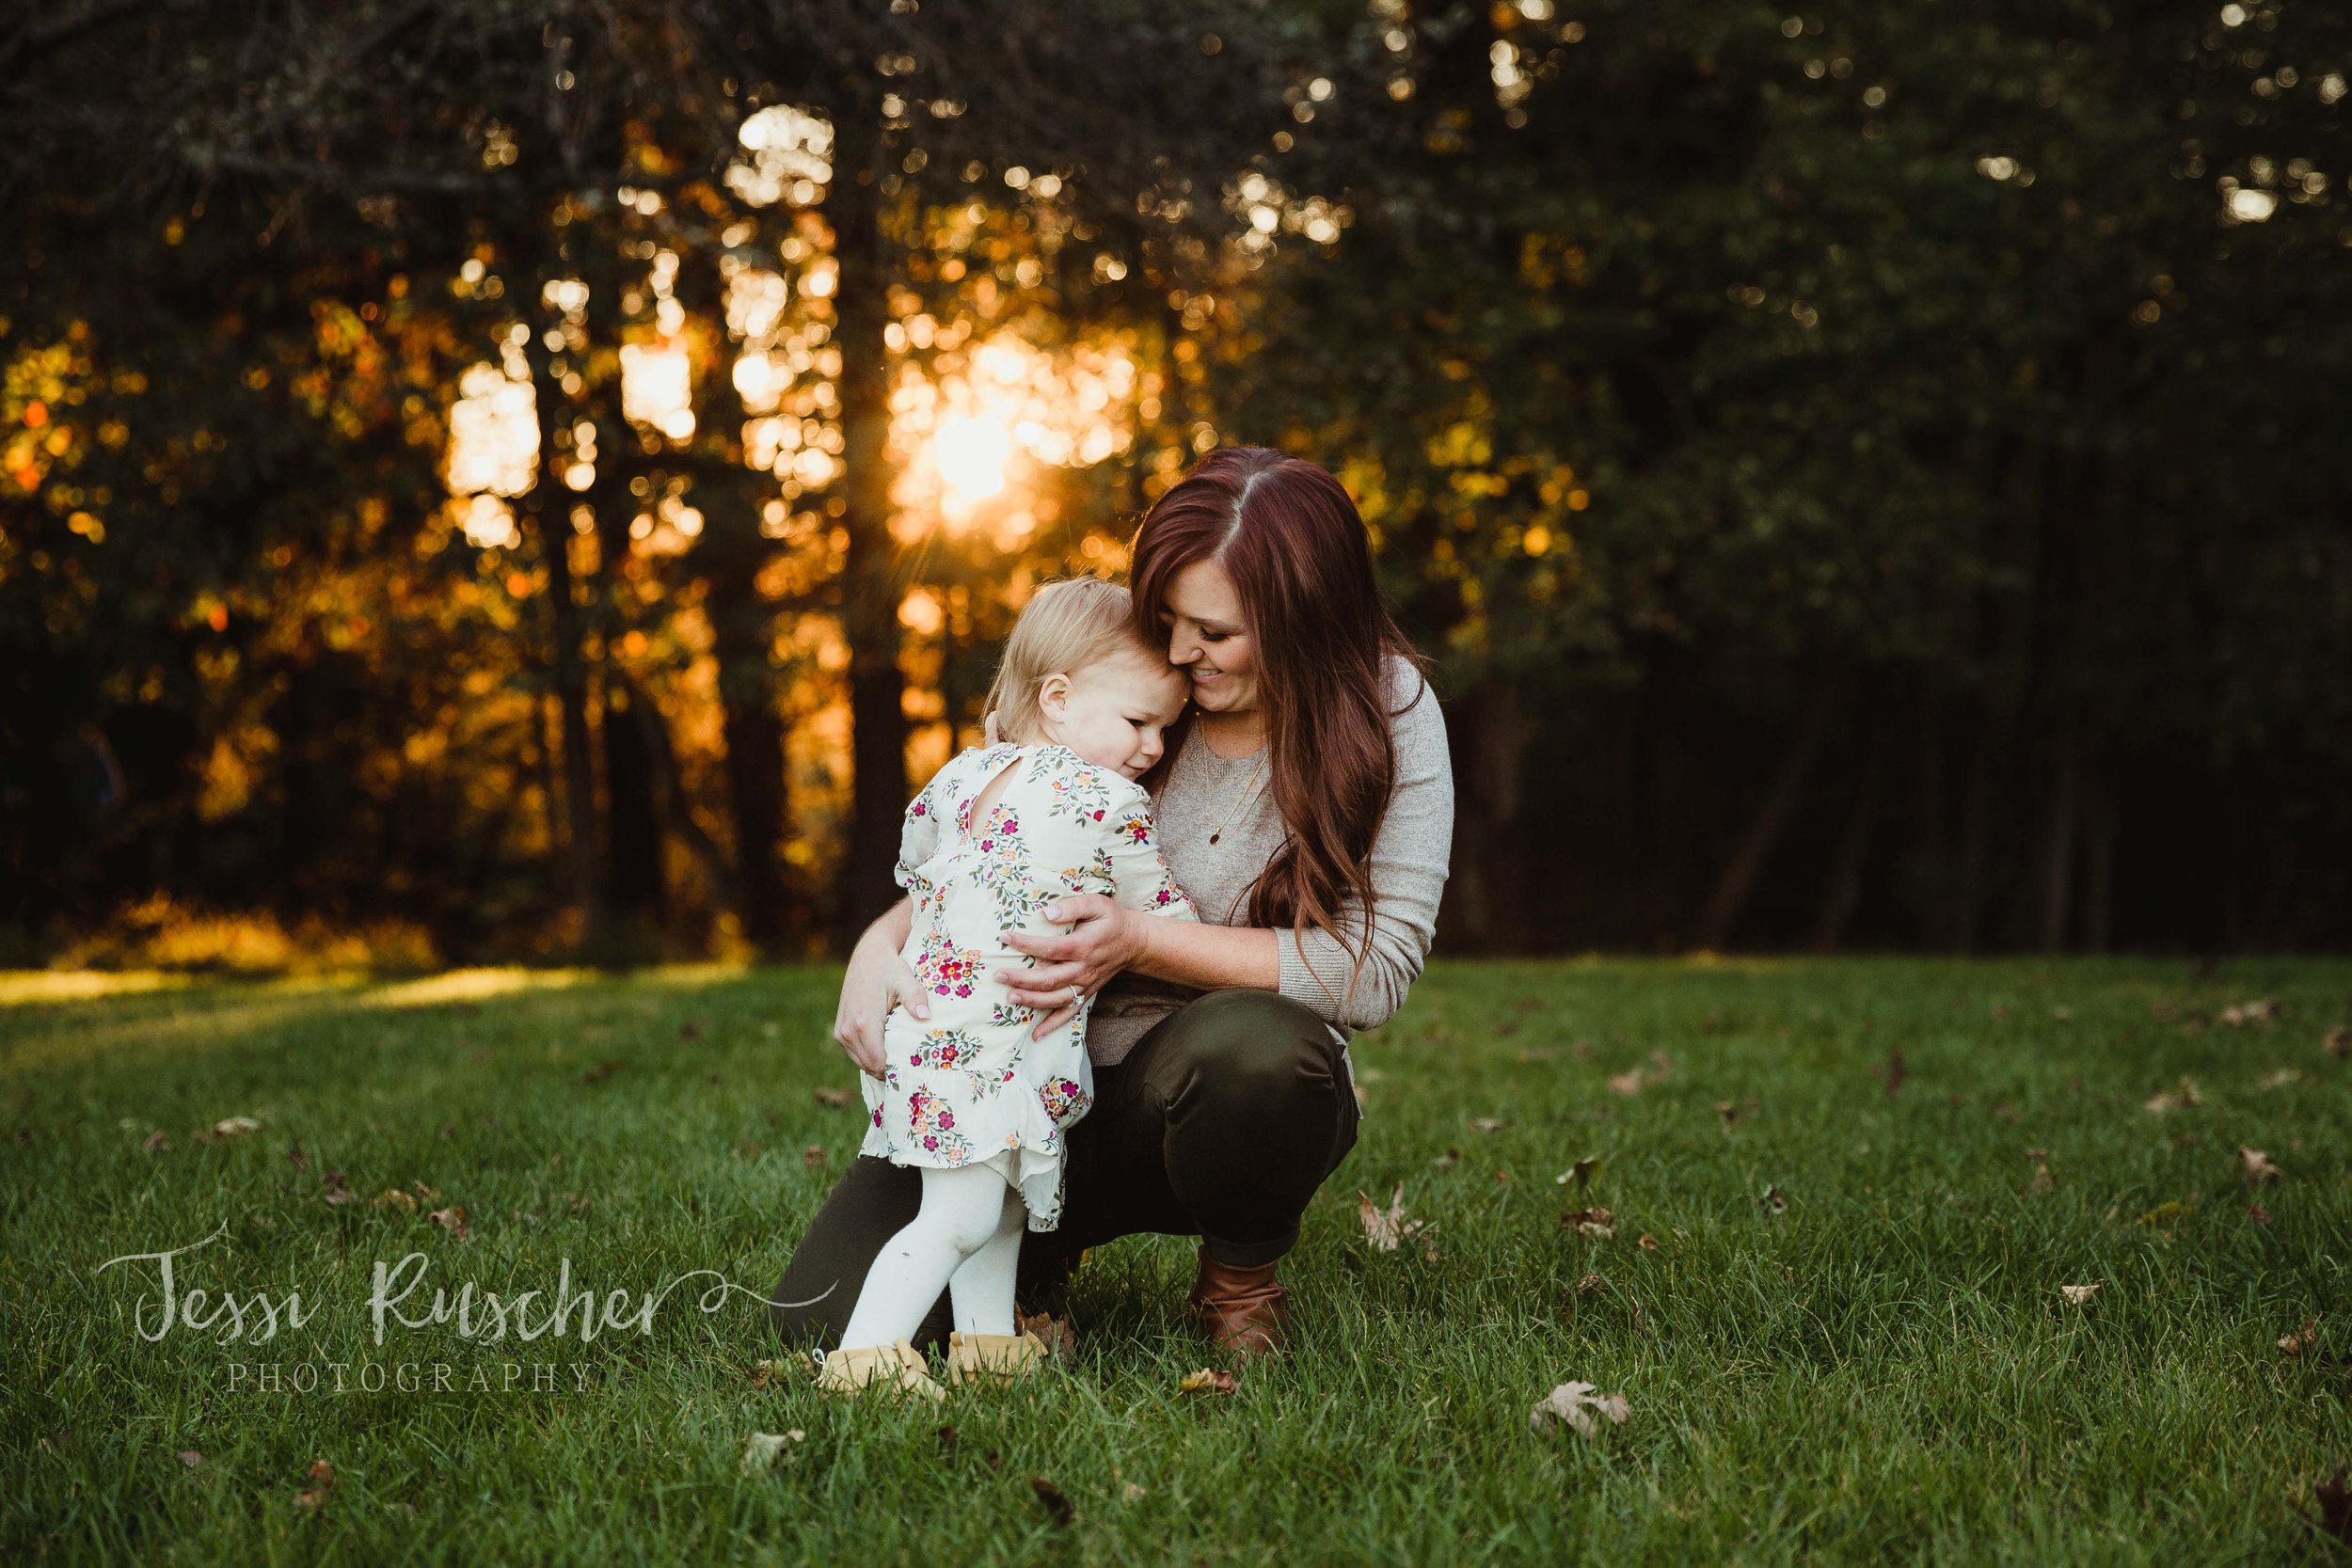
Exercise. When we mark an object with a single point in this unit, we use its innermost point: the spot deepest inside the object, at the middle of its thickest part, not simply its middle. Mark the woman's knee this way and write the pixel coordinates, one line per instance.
(1251, 1045)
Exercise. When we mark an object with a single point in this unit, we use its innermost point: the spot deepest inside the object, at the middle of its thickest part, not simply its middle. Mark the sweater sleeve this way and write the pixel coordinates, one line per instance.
(1411, 856)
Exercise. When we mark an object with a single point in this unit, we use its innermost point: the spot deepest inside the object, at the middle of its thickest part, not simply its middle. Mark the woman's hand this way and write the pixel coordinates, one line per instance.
(1103, 940)
(878, 980)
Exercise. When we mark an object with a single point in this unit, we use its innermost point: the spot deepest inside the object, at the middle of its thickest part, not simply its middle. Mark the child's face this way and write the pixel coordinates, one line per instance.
(1113, 712)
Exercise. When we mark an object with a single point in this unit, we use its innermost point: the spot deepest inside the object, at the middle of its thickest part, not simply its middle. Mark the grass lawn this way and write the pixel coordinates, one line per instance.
(1834, 1311)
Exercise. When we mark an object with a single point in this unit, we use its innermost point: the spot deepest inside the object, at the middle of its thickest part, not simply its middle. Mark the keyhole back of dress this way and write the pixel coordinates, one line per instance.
(990, 794)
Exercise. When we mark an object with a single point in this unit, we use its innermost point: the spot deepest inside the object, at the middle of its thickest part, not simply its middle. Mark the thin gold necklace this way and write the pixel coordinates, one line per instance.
(1243, 798)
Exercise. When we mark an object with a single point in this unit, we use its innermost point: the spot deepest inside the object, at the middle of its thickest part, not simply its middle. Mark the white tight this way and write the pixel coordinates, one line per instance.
(966, 1238)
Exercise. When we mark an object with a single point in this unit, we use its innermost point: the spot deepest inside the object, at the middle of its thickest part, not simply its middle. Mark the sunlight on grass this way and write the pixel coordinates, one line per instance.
(473, 985)
(24, 988)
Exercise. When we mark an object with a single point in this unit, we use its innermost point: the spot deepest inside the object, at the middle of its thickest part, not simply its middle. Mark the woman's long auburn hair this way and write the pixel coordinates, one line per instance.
(1300, 557)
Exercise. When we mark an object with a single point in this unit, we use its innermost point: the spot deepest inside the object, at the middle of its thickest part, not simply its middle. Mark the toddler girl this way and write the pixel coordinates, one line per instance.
(966, 1096)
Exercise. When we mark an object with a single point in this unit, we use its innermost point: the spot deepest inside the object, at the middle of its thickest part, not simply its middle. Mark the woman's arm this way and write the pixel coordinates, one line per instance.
(877, 980)
(1106, 940)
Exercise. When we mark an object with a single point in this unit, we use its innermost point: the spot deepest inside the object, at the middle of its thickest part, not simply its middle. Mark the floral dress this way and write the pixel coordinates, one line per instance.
(968, 1085)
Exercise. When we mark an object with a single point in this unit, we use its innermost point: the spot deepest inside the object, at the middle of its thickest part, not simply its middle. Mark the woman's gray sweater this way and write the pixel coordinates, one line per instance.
(1410, 860)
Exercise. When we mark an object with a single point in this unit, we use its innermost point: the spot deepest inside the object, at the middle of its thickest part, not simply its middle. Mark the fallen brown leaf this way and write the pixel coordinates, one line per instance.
(1581, 1051)
(1773, 1200)
(1450, 1158)
(2335, 1506)
(2337, 1041)
(1489, 1124)
(690, 1030)
(763, 1449)
(1628, 1082)
(1649, 1242)
(2280, 1078)
(2043, 1184)
(1576, 1405)
(2260, 1214)
(392, 1198)
(813, 1157)
(2263, 1011)
(1662, 1067)
(191, 1458)
(155, 1143)
(1582, 1173)
(1207, 1380)
(1589, 1285)
(322, 1483)
(1057, 1502)
(1060, 1340)
(1384, 1228)
(1596, 1221)
(766, 1374)
(2256, 1166)
(2301, 1340)
(2175, 1100)
(334, 1191)
(452, 1219)
(235, 1127)
(2077, 1295)
(834, 1096)
(295, 1158)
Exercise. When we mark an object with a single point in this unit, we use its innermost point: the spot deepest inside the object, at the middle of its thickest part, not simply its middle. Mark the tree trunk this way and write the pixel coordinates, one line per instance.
(1841, 889)
(2099, 832)
(870, 585)
(2058, 843)
(632, 845)
(1720, 917)
(1493, 739)
(1974, 849)
(548, 512)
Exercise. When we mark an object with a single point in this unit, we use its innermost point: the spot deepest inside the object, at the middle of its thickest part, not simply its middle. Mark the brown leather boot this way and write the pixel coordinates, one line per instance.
(1240, 1309)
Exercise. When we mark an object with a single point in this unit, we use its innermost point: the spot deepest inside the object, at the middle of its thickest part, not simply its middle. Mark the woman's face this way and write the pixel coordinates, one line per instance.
(1208, 639)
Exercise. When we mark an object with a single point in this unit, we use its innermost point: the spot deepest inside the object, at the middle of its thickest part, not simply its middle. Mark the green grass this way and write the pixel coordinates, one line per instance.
(1882, 1370)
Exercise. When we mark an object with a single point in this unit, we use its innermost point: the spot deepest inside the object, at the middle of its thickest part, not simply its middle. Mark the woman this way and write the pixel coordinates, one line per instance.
(1308, 809)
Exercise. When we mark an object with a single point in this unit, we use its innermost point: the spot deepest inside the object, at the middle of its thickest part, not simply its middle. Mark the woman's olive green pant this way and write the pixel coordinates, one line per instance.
(1220, 1123)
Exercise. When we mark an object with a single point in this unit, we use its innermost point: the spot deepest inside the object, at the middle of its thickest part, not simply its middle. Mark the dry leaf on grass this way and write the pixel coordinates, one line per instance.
(335, 1191)
(392, 1198)
(834, 1096)
(1649, 1242)
(1589, 1285)
(763, 1449)
(2176, 1100)
(813, 1157)
(1773, 1200)
(2078, 1295)
(1628, 1082)
(1579, 1405)
(1594, 1222)
(2301, 1340)
(1056, 1501)
(1450, 1158)
(766, 1374)
(322, 1483)
(1582, 1173)
(1060, 1340)
(2337, 1041)
(1489, 1124)
(295, 1158)
(235, 1127)
(1207, 1380)
(2263, 1011)
(452, 1219)
(2335, 1506)
(155, 1143)
(1384, 1230)
(2256, 1166)
(2042, 1185)
(191, 1458)
(2279, 1080)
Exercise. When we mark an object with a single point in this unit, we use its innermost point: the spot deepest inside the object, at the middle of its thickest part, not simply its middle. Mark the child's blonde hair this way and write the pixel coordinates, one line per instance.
(1064, 626)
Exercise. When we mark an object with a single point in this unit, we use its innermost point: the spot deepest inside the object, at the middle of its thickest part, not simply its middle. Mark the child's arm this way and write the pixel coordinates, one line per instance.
(1139, 875)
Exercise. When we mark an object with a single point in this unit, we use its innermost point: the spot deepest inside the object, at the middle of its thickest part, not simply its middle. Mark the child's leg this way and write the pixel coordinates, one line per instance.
(981, 1291)
(961, 1212)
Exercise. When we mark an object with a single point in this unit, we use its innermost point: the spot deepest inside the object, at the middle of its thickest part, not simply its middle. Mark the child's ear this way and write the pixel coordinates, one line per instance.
(1053, 696)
